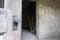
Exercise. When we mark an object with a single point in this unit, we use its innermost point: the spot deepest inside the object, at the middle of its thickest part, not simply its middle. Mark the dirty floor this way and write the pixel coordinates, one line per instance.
(26, 35)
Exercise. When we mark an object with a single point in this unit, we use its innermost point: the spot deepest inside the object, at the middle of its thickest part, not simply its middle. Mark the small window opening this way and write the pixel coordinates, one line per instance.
(1, 3)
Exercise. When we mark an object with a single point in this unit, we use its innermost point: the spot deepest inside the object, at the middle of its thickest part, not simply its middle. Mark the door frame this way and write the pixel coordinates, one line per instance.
(37, 20)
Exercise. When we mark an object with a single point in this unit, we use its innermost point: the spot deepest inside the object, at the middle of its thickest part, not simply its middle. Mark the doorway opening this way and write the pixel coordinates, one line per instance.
(29, 16)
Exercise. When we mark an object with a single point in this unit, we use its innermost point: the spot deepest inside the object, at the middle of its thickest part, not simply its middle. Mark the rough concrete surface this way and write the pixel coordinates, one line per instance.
(13, 8)
(49, 19)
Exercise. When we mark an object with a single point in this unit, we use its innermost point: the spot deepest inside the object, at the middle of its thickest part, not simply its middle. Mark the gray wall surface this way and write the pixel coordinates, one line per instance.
(14, 7)
(48, 13)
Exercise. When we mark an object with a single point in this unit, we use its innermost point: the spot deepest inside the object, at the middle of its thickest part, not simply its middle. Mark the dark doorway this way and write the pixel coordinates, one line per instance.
(29, 16)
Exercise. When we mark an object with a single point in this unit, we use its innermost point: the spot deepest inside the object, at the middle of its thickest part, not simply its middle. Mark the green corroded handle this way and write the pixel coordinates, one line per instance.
(16, 19)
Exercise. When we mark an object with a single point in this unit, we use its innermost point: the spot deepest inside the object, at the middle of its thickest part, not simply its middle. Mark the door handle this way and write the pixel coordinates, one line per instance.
(16, 20)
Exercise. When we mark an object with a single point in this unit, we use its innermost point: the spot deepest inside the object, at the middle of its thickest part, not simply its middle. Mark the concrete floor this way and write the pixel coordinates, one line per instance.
(26, 35)
(51, 39)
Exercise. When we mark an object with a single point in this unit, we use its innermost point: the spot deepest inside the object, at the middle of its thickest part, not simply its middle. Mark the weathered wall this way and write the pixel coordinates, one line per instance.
(14, 7)
(48, 13)
(3, 20)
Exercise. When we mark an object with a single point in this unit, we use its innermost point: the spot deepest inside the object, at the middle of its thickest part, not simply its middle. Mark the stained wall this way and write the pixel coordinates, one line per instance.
(48, 18)
(14, 7)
